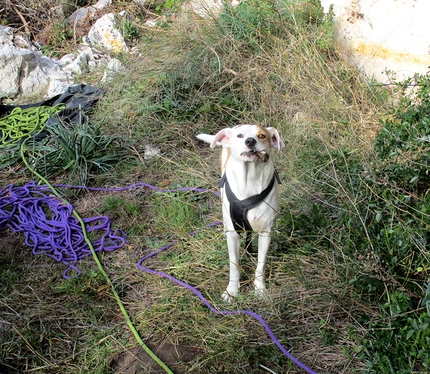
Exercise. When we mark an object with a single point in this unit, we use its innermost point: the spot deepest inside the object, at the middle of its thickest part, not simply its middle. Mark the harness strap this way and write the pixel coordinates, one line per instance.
(239, 208)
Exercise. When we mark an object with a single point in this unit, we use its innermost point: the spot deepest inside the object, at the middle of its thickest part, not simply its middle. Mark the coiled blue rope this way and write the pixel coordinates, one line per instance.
(50, 227)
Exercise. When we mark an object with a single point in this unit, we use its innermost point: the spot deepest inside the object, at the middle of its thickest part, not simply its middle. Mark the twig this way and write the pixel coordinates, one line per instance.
(265, 368)
(24, 22)
(137, 154)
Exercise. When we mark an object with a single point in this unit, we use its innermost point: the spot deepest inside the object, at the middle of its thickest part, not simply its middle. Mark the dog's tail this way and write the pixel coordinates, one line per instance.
(207, 138)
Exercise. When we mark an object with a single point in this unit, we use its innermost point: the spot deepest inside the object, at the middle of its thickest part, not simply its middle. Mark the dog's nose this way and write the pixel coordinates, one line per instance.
(250, 142)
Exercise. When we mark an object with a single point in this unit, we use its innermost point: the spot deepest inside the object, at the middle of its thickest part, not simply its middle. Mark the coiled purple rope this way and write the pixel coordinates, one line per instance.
(50, 227)
(59, 235)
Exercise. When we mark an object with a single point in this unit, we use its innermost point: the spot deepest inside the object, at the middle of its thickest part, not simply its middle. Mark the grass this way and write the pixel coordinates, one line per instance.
(330, 297)
(48, 317)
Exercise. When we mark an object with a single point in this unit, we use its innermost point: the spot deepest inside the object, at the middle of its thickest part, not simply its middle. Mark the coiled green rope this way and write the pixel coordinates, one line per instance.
(23, 123)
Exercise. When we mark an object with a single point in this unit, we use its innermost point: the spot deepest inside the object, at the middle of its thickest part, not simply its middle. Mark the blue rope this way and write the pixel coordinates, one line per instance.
(50, 227)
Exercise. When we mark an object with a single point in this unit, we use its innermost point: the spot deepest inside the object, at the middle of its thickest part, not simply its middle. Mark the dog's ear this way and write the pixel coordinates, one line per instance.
(222, 137)
(276, 140)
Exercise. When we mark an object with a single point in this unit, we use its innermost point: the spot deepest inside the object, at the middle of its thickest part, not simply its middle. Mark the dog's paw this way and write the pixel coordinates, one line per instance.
(229, 295)
(260, 290)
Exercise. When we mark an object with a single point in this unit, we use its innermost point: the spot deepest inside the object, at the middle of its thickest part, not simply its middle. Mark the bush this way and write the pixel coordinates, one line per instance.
(380, 207)
(400, 341)
(400, 231)
(403, 142)
(401, 185)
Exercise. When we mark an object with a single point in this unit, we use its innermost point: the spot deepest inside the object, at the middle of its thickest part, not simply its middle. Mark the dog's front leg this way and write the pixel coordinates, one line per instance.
(263, 247)
(233, 244)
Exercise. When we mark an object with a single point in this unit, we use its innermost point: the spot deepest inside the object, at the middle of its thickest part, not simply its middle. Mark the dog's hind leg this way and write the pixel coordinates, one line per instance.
(263, 247)
(233, 244)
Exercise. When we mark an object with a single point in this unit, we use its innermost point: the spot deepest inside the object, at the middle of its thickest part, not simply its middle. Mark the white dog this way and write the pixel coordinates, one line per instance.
(249, 192)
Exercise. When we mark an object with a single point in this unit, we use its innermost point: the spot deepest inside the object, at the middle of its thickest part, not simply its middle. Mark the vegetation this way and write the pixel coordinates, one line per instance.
(349, 270)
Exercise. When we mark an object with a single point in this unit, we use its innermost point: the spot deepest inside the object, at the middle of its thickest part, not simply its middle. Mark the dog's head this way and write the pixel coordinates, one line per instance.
(249, 142)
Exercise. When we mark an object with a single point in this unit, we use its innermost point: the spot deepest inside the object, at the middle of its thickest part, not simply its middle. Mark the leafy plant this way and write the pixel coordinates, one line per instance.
(381, 209)
(400, 341)
(130, 31)
(78, 149)
(403, 144)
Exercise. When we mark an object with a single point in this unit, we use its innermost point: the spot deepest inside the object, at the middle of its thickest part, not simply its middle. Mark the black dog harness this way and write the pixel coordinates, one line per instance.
(239, 208)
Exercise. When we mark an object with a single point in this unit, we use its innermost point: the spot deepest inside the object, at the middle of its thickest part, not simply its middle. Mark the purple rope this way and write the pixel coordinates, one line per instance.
(209, 305)
(137, 185)
(186, 285)
(59, 235)
(51, 228)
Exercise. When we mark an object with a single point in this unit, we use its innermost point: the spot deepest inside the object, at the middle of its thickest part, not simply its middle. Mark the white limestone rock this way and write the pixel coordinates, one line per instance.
(105, 35)
(28, 73)
(383, 35)
(113, 67)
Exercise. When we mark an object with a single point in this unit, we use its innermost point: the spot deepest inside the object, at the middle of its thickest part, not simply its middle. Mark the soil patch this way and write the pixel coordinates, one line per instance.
(137, 361)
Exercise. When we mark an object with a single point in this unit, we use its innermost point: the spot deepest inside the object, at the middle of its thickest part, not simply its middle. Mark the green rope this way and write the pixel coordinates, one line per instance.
(23, 123)
(23, 126)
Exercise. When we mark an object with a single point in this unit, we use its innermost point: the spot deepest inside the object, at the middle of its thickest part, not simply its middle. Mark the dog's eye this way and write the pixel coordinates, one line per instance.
(261, 136)
(240, 135)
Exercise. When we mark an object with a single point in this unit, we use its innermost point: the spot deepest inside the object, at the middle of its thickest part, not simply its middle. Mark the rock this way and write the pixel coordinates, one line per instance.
(6, 35)
(206, 8)
(101, 4)
(66, 59)
(98, 61)
(10, 67)
(28, 73)
(383, 35)
(105, 34)
(114, 66)
(57, 87)
(125, 15)
(151, 152)
(82, 14)
(25, 72)
(151, 22)
(23, 41)
(209, 8)
(79, 64)
(86, 40)
(87, 60)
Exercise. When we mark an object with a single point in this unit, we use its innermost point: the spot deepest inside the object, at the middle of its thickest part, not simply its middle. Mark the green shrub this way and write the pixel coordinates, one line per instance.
(381, 207)
(399, 342)
(402, 182)
(403, 142)
(254, 23)
(251, 22)
(398, 223)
